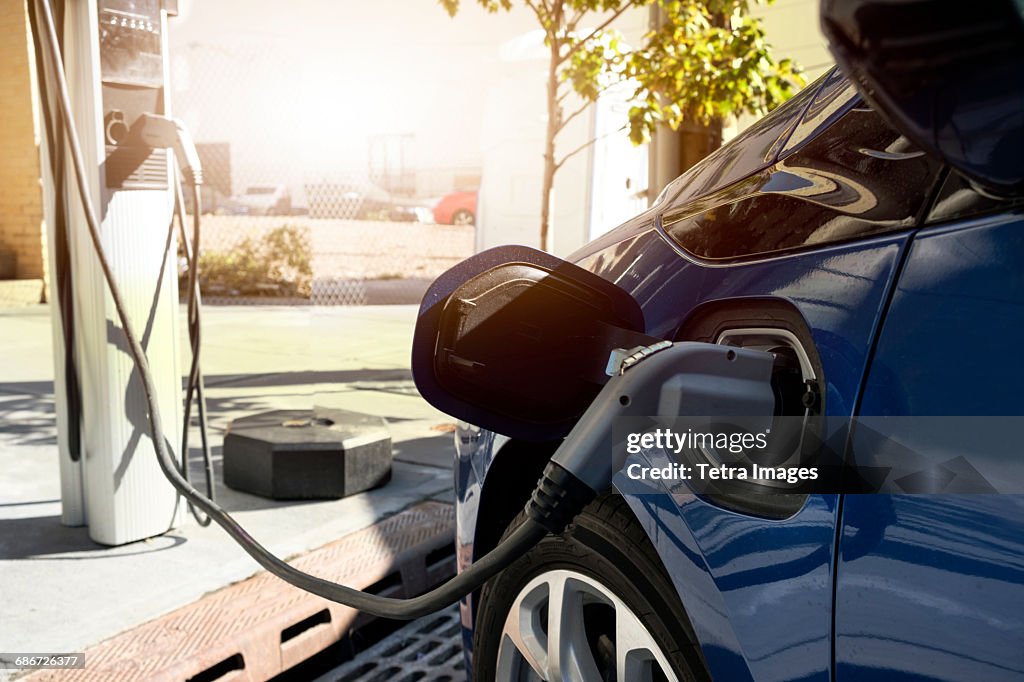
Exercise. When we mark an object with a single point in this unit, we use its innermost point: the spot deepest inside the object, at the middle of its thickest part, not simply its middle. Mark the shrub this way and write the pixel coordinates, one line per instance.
(278, 263)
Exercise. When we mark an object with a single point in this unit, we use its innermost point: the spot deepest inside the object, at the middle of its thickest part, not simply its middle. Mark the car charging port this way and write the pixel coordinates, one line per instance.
(794, 381)
(796, 426)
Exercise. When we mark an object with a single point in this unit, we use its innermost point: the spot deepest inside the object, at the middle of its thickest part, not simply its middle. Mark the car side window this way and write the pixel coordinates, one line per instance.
(856, 179)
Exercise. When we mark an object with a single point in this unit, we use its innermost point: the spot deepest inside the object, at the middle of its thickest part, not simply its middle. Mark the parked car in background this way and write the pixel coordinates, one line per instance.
(456, 208)
(264, 200)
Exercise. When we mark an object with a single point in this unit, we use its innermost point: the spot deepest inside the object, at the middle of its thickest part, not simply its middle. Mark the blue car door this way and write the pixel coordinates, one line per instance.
(931, 587)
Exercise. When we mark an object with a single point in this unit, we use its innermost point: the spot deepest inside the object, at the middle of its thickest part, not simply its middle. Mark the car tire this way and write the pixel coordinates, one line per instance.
(463, 217)
(603, 561)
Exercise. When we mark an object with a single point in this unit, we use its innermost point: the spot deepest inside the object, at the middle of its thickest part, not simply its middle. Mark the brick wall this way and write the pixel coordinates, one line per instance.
(21, 209)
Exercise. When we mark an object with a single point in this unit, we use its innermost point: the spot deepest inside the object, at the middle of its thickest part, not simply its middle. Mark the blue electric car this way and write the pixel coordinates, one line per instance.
(885, 284)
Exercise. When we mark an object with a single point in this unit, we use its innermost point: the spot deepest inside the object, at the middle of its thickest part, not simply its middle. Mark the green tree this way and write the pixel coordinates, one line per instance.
(703, 61)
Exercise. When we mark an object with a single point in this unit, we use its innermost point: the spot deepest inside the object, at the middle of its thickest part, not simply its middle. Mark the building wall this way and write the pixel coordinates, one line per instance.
(513, 127)
(21, 199)
(513, 130)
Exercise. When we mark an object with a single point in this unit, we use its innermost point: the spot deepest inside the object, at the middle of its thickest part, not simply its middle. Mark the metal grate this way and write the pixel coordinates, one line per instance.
(426, 650)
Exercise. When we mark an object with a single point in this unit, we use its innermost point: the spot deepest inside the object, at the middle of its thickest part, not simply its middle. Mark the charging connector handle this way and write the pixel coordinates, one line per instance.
(685, 379)
(163, 131)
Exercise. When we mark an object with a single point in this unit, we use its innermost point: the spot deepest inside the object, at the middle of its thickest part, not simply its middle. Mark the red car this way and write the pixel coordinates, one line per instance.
(456, 208)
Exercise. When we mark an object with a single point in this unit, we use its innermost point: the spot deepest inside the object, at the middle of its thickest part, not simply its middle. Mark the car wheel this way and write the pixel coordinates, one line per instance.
(463, 217)
(592, 604)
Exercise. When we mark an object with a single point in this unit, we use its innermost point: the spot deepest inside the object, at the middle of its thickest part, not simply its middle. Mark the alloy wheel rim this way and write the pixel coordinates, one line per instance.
(564, 625)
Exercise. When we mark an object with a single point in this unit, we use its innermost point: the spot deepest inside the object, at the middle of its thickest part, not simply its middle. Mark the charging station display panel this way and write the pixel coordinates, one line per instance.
(130, 51)
(132, 74)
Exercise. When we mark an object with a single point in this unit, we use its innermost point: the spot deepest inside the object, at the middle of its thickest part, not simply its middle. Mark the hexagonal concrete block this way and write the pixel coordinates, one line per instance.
(307, 454)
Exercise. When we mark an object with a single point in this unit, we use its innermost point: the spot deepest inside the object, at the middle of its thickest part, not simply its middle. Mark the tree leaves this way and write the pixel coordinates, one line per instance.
(705, 60)
(709, 60)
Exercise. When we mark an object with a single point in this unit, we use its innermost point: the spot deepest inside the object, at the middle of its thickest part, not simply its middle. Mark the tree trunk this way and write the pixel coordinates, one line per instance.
(554, 119)
(697, 141)
(673, 152)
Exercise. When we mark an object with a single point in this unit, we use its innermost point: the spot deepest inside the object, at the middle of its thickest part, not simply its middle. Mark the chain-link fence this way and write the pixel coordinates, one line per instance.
(324, 261)
(286, 221)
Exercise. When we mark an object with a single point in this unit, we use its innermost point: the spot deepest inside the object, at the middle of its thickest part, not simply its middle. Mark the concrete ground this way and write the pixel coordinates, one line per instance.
(62, 592)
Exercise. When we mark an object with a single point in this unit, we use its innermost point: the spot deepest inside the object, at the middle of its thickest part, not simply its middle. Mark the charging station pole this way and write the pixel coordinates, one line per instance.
(115, 54)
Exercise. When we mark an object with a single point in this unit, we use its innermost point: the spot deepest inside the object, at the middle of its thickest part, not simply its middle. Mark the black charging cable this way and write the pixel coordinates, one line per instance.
(195, 389)
(63, 277)
(555, 501)
(163, 132)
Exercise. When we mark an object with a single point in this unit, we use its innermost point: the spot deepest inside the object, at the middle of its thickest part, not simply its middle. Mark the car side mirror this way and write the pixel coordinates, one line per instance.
(517, 341)
(945, 74)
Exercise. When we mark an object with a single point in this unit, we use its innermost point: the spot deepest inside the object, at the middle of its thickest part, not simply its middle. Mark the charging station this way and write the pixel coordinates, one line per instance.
(115, 53)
